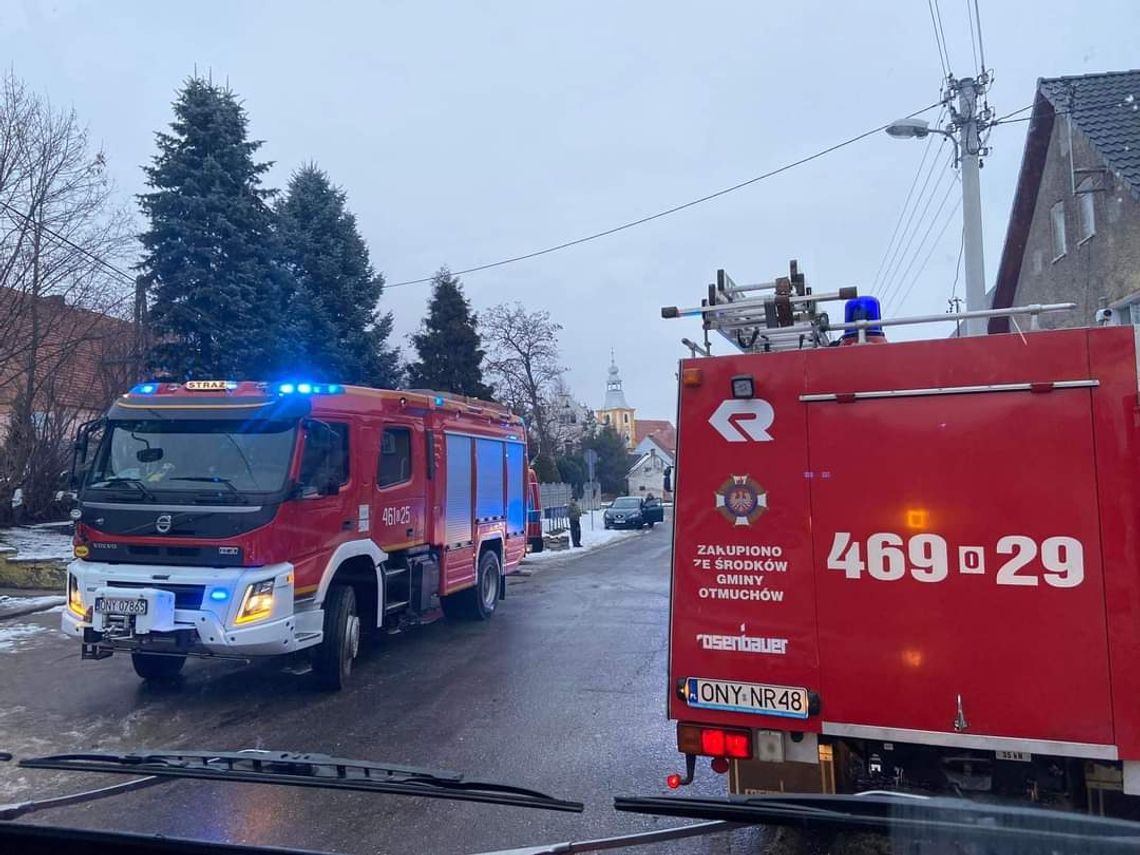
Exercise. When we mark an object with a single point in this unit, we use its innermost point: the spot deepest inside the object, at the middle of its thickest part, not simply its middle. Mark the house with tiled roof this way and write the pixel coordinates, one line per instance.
(1074, 230)
(73, 359)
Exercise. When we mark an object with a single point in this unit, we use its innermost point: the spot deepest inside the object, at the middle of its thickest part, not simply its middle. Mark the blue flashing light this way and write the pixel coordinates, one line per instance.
(439, 400)
(306, 388)
(219, 595)
(862, 309)
(145, 389)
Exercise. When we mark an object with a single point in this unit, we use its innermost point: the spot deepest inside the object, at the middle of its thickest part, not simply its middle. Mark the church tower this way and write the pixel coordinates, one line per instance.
(616, 411)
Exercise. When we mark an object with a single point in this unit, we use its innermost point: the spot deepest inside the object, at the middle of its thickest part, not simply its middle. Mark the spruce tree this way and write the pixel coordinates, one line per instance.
(448, 344)
(333, 322)
(217, 292)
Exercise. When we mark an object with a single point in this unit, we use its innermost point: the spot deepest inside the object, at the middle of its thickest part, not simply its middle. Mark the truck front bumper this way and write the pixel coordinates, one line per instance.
(189, 610)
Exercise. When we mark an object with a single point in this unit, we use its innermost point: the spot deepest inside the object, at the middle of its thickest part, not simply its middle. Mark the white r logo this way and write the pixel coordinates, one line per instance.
(740, 420)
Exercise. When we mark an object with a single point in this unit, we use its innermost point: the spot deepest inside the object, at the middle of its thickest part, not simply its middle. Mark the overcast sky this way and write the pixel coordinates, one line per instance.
(467, 132)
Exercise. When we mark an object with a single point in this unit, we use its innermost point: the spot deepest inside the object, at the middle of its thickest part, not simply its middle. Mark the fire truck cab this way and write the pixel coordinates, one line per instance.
(243, 519)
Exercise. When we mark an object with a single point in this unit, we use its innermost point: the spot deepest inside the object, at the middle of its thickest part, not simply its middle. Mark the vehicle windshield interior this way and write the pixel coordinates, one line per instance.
(191, 455)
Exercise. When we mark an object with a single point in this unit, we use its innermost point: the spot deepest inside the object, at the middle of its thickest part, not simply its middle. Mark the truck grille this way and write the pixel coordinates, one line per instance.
(185, 596)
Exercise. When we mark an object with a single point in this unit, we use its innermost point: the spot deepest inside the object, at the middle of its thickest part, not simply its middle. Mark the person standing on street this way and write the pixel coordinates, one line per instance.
(575, 514)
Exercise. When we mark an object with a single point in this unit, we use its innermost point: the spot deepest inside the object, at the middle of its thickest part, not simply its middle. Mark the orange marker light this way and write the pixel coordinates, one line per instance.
(917, 518)
(692, 377)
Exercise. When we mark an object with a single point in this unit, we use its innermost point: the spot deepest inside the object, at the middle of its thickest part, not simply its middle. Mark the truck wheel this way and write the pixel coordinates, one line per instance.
(157, 666)
(477, 602)
(332, 660)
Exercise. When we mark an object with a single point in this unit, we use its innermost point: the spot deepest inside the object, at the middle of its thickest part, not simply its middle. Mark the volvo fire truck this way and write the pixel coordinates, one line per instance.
(905, 565)
(245, 519)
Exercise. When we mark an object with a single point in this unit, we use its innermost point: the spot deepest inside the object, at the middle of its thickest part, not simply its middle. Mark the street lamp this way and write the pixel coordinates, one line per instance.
(908, 128)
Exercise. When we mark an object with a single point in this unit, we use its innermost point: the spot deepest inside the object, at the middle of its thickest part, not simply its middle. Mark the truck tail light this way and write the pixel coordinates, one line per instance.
(714, 741)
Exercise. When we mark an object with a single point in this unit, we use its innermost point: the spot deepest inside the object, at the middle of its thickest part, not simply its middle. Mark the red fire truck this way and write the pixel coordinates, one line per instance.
(242, 519)
(908, 565)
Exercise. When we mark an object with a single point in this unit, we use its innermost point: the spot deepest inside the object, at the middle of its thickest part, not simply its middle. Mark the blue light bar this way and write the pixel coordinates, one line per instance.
(145, 389)
(438, 401)
(219, 595)
(306, 388)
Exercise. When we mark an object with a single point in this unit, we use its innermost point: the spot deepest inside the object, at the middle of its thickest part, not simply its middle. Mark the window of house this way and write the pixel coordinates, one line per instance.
(395, 465)
(1086, 199)
(1057, 219)
(325, 458)
(625, 417)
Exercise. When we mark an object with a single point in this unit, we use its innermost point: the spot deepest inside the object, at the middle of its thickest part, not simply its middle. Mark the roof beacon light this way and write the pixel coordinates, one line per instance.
(862, 309)
(145, 389)
(305, 388)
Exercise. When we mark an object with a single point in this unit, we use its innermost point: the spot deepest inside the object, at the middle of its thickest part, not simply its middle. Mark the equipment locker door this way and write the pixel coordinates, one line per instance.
(956, 580)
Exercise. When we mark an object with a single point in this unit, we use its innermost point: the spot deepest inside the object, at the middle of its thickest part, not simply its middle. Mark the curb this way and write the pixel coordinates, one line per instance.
(21, 611)
(536, 568)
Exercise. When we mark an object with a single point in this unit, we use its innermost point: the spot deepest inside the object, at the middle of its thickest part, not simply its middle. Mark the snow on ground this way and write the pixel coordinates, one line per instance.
(24, 605)
(15, 636)
(592, 538)
(44, 544)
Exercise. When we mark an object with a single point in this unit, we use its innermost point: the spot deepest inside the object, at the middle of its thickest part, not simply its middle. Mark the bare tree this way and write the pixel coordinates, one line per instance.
(524, 366)
(59, 230)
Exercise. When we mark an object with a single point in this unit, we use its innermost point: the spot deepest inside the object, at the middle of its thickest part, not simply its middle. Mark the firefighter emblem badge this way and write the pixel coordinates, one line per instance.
(741, 500)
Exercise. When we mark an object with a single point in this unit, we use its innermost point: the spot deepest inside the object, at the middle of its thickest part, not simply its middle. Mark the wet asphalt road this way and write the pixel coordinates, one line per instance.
(563, 691)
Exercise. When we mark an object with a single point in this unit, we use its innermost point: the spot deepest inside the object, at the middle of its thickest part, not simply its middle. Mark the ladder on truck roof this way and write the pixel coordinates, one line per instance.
(784, 315)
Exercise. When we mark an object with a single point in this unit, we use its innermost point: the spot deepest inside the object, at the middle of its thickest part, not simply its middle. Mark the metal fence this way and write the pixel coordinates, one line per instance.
(555, 500)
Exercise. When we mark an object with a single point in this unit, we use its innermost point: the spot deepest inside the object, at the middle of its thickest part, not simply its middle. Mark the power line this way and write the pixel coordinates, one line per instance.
(891, 282)
(958, 204)
(667, 211)
(978, 19)
(906, 204)
(937, 41)
(100, 261)
(973, 48)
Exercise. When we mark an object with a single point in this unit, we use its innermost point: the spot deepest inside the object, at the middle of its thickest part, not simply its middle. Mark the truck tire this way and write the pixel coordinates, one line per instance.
(156, 666)
(477, 602)
(332, 659)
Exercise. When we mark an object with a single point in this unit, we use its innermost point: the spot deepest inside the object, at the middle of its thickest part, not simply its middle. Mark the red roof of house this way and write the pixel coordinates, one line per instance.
(660, 431)
(80, 356)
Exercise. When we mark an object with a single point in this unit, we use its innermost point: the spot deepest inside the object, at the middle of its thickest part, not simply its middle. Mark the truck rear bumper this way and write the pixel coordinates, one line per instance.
(204, 618)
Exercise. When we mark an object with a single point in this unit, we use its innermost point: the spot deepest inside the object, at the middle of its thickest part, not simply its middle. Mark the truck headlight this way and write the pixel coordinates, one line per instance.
(74, 598)
(257, 602)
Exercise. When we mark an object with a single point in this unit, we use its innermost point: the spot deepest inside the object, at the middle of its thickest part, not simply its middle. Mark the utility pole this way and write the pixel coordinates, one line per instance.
(968, 124)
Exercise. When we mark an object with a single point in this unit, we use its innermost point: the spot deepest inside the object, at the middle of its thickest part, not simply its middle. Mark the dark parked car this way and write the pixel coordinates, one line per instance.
(634, 512)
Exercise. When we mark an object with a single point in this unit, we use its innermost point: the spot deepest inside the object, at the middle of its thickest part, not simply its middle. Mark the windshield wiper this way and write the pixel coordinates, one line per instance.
(304, 770)
(134, 482)
(208, 479)
(902, 815)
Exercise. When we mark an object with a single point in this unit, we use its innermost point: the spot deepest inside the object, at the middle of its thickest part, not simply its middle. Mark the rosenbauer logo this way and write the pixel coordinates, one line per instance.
(744, 420)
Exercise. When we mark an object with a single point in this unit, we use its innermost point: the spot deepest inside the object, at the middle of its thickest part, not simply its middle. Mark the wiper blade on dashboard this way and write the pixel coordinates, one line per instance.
(134, 482)
(304, 770)
(898, 815)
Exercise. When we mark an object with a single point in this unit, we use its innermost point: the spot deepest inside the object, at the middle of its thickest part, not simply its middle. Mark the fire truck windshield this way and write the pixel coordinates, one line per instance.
(189, 455)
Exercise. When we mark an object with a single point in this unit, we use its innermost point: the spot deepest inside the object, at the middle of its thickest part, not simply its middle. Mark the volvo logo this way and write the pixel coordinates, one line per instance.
(162, 524)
